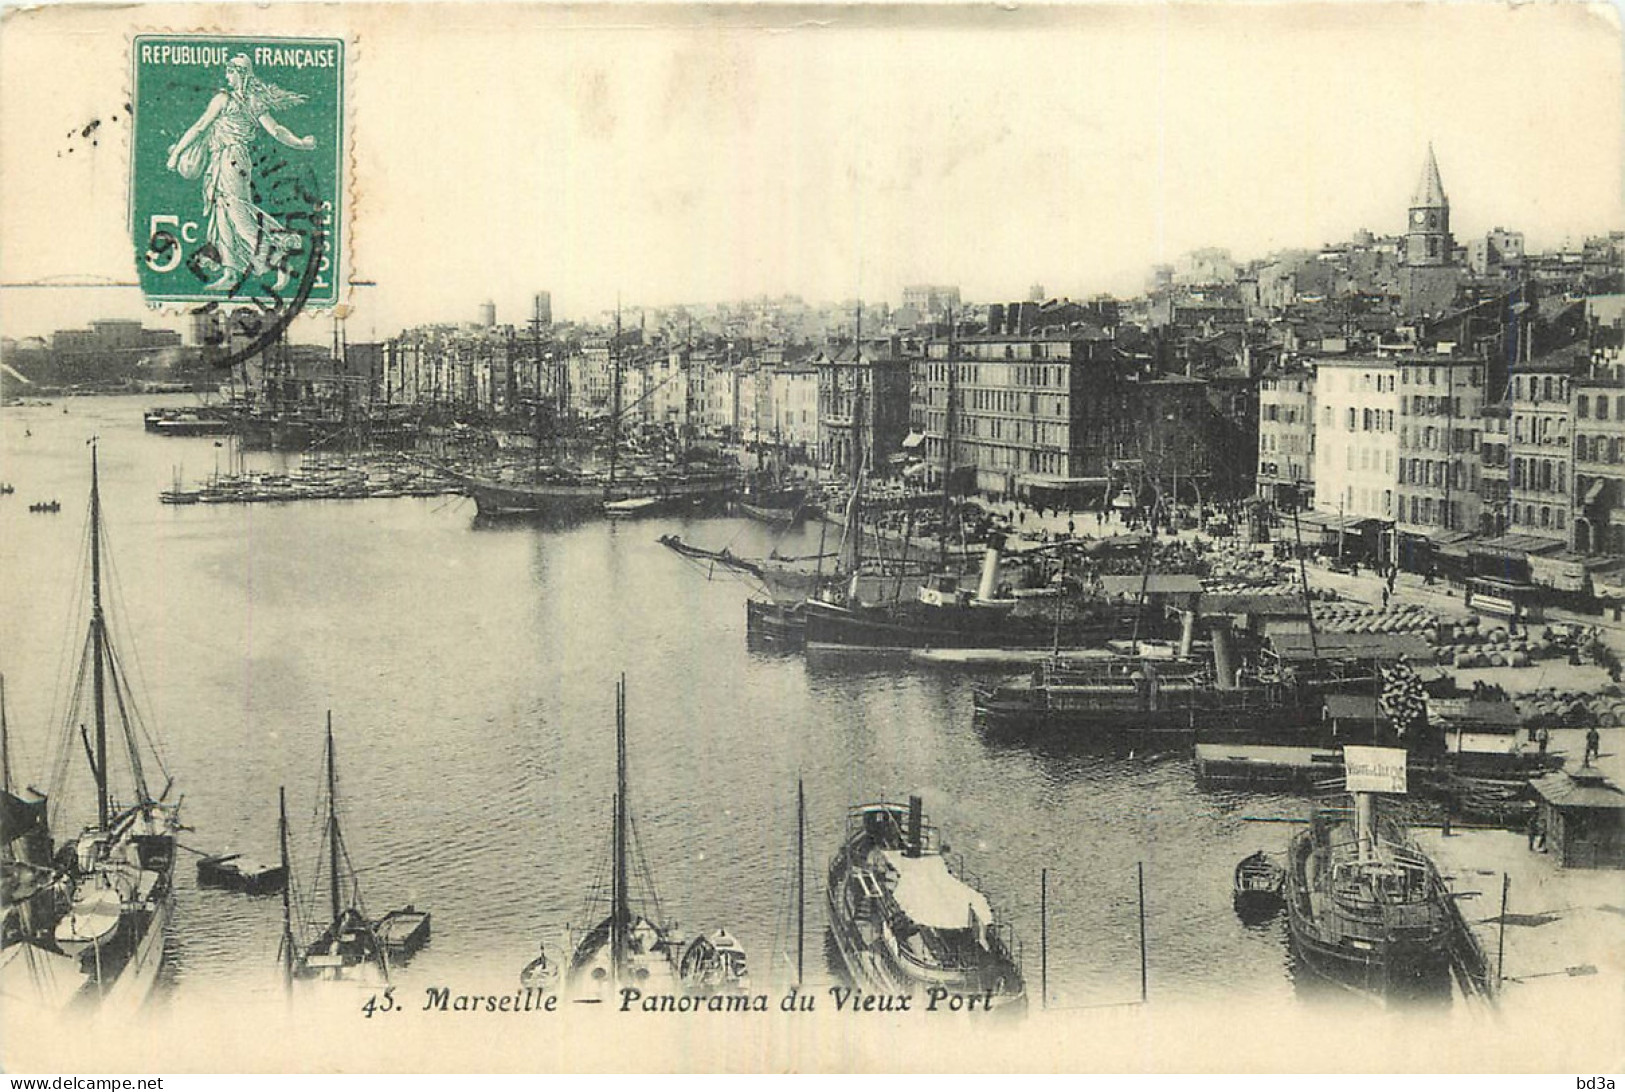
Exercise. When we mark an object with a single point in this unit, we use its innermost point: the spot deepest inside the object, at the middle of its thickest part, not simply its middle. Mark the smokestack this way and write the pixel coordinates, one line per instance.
(912, 846)
(989, 587)
(1224, 660)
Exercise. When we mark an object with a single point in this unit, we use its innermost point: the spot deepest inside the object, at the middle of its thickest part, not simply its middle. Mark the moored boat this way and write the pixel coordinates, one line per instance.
(1368, 909)
(350, 946)
(115, 881)
(234, 872)
(1257, 890)
(632, 947)
(714, 964)
(403, 932)
(903, 922)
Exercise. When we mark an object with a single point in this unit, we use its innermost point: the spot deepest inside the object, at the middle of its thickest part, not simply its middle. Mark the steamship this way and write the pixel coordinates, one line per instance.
(903, 922)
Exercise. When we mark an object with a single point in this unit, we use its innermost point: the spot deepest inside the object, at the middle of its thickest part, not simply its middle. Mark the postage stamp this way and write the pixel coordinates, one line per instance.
(237, 171)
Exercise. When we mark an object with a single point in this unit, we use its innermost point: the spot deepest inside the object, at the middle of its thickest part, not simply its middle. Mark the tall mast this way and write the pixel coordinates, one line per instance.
(287, 882)
(801, 878)
(5, 739)
(620, 913)
(332, 825)
(98, 639)
(947, 452)
(615, 410)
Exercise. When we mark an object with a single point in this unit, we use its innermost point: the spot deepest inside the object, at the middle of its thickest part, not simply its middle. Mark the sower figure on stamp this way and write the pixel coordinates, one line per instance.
(247, 240)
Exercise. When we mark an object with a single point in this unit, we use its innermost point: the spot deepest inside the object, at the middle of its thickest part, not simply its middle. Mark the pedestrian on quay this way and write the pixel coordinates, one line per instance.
(1385, 594)
(1071, 527)
(1537, 835)
(1542, 738)
(1593, 744)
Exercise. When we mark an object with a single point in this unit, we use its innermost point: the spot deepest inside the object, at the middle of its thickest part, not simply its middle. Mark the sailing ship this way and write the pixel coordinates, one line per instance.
(351, 947)
(904, 922)
(1368, 909)
(96, 934)
(633, 946)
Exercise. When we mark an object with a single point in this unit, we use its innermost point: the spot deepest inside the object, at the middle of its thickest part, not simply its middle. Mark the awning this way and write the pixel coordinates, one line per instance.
(1056, 481)
(1609, 584)
(1564, 571)
(1153, 583)
(1595, 491)
(1517, 546)
(913, 440)
(1331, 521)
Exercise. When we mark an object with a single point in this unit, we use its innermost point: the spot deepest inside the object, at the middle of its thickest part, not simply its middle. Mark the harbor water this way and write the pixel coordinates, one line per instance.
(470, 672)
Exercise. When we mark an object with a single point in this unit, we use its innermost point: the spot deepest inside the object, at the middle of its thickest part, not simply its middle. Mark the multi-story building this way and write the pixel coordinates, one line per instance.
(1494, 492)
(1286, 436)
(1441, 398)
(795, 408)
(1599, 464)
(1032, 413)
(1357, 436)
(1540, 497)
(863, 405)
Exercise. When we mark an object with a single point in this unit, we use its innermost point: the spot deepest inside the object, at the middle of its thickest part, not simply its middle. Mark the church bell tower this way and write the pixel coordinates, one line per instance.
(1427, 232)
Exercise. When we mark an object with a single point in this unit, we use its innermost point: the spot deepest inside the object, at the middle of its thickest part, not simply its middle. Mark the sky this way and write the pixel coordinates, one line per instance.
(662, 155)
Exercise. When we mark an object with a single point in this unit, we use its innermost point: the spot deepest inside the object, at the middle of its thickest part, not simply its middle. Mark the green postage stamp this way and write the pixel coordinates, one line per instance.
(236, 169)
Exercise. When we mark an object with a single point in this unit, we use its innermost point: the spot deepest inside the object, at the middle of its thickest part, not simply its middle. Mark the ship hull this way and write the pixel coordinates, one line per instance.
(909, 626)
(775, 626)
(871, 930)
(1376, 961)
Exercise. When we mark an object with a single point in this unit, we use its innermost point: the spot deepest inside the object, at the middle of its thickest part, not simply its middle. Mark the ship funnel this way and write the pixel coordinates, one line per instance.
(1224, 659)
(989, 586)
(912, 846)
(1187, 632)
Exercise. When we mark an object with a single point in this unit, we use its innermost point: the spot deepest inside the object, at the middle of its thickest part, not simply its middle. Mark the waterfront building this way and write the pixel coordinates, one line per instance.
(795, 407)
(1286, 436)
(1040, 414)
(863, 405)
(1599, 464)
(1540, 448)
(1357, 436)
(1441, 398)
(1495, 496)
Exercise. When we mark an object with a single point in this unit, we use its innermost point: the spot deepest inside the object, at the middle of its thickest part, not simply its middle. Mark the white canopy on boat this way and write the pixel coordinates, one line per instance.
(934, 897)
(31, 976)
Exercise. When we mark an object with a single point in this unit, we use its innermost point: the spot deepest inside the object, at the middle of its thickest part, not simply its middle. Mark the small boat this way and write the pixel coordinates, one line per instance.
(905, 923)
(403, 932)
(234, 872)
(714, 964)
(1259, 886)
(540, 973)
(46, 506)
(7, 489)
(631, 507)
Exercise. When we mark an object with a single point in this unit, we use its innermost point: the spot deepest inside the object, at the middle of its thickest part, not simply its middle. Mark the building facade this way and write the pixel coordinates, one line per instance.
(1540, 448)
(1441, 398)
(1031, 413)
(1286, 436)
(1357, 436)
